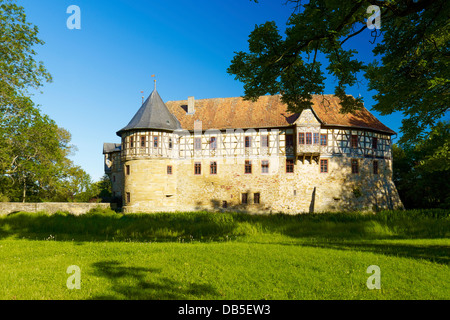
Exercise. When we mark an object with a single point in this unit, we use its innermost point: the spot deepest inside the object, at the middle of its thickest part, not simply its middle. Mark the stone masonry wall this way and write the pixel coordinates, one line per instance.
(52, 207)
(305, 190)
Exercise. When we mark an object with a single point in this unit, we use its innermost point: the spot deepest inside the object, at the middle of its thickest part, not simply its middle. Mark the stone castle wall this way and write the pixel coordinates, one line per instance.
(75, 208)
(305, 190)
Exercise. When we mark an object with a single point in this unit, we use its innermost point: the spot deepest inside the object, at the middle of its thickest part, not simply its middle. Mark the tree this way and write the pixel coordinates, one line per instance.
(19, 71)
(34, 163)
(411, 73)
(35, 158)
(422, 171)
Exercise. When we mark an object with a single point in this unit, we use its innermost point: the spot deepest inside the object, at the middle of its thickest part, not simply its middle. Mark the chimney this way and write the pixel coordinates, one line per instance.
(191, 105)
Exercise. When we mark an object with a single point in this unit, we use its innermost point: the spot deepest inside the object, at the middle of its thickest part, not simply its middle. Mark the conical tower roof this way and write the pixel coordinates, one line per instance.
(153, 114)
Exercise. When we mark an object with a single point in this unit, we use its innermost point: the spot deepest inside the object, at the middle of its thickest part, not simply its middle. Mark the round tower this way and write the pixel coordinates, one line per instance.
(148, 158)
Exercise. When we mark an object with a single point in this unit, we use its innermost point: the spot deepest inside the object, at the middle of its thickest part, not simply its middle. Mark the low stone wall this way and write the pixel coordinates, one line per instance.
(75, 208)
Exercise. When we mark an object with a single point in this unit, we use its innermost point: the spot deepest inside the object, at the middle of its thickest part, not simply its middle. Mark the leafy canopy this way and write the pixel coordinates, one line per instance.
(411, 73)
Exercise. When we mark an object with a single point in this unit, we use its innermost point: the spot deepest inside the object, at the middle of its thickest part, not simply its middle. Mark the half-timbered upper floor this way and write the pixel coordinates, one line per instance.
(234, 127)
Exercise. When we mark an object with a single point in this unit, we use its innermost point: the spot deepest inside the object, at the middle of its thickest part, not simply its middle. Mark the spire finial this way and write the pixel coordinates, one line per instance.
(154, 80)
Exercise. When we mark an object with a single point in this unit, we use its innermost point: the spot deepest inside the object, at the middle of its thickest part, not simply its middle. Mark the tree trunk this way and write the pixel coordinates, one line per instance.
(24, 190)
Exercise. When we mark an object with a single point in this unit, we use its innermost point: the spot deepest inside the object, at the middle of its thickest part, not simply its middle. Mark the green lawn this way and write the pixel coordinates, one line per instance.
(225, 256)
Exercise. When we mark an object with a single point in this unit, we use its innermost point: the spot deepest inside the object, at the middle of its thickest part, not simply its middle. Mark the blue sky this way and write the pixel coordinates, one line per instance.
(99, 71)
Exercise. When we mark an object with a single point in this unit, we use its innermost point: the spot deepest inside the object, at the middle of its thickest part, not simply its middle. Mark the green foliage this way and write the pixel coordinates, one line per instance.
(422, 170)
(18, 68)
(102, 225)
(34, 163)
(411, 73)
(34, 151)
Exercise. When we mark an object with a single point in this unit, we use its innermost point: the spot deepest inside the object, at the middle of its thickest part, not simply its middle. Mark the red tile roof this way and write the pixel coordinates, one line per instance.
(266, 112)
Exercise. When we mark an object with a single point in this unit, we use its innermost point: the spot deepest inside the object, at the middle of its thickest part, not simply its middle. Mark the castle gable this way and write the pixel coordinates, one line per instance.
(307, 118)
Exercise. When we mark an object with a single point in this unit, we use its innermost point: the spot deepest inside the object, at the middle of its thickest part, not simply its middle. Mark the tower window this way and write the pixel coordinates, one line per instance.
(289, 140)
(127, 170)
(289, 166)
(155, 142)
(256, 197)
(169, 169)
(197, 143)
(354, 141)
(142, 141)
(248, 166)
(316, 138)
(244, 198)
(355, 167)
(131, 142)
(308, 138)
(323, 140)
(324, 166)
(213, 168)
(265, 166)
(374, 143)
(301, 138)
(197, 168)
(375, 167)
(264, 141)
(212, 143)
(248, 142)
(128, 197)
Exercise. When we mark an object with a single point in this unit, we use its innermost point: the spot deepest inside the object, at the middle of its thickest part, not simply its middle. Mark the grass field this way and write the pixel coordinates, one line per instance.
(203, 255)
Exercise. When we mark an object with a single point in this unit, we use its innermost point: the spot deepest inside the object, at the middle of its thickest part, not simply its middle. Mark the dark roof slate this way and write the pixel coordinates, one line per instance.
(153, 114)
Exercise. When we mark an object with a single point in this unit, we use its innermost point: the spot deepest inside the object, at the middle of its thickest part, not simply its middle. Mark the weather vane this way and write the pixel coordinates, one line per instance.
(154, 80)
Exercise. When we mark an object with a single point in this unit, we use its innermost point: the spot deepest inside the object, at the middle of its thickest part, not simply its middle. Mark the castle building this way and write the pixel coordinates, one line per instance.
(234, 154)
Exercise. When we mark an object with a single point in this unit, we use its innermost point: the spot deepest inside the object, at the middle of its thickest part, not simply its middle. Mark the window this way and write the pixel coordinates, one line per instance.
(374, 143)
(127, 170)
(131, 142)
(323, 140)
(114, 178)
(301, 138)
(265, 166)
(289, 166)
(375, 167)
(155, 142)
(256, 197)
(212, 143)
(354, 141)
(316, 138)
(169, 169)
(197, 143)
(142, 141)
(170, 143)
(197, 168)
(308, 138)
(248, 142)
(213, 168)
(289, 140)
(128, 199)
(355, 167)
(224, 204)
(244, 198)
(324, 166)
(248, 166)
(264, 141)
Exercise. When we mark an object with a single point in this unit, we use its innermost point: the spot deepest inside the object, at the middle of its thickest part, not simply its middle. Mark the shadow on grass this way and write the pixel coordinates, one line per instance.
(137, 283)
(433, 253)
